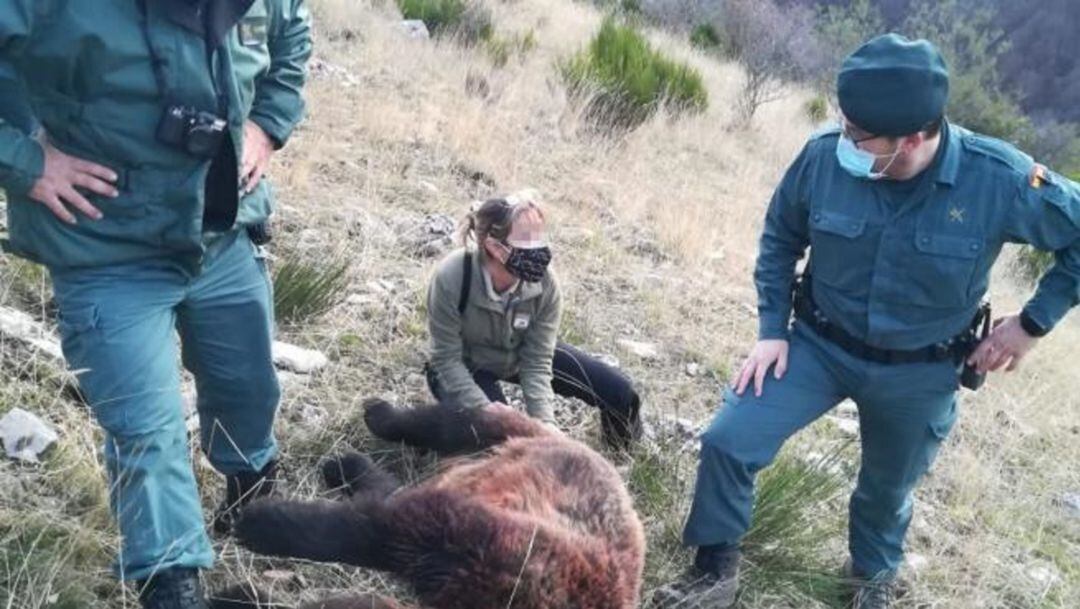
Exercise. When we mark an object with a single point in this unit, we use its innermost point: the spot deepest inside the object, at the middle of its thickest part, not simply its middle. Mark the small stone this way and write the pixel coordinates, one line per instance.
(189, 400)
(361, 300)
(915, 563)
(644, 350)
(414, 29)
(693, 369)
(25, 329)
(1045, 575)
(440, 225)
(1071, 503)
(312, 415)
(288, 379)
(297, 359)
(435, 248)
(25, 436)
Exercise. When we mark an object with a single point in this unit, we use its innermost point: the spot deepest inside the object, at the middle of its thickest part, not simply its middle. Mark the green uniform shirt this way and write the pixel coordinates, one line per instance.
(82, 70)
(907, 272)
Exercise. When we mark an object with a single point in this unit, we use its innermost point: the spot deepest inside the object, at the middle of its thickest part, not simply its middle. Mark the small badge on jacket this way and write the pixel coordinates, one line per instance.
(521, 321)
(253, 31)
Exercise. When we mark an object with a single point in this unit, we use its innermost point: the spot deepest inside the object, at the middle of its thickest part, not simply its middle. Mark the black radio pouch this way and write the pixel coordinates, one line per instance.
(970, 376)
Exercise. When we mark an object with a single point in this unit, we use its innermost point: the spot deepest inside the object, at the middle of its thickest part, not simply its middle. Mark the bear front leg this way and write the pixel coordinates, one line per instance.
(447, 428)
(325, 531)
(358, 477)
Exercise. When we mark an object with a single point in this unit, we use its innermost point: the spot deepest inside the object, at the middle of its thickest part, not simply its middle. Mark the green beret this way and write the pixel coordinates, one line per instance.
(893, 86)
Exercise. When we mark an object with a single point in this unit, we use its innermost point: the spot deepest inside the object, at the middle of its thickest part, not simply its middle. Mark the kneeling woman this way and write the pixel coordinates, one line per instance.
(493, 314)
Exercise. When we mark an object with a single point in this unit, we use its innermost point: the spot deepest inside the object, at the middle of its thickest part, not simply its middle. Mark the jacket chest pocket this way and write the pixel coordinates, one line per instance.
(942, 269)
(841, 251)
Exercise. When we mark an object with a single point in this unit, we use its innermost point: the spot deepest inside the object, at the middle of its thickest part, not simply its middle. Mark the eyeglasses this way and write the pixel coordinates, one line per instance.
(845, 128)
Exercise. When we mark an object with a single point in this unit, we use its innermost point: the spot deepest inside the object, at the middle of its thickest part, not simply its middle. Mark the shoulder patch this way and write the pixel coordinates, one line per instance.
(1037, 176)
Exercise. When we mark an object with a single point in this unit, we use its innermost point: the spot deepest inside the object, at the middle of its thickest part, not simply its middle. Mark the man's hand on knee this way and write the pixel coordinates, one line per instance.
(765, 354)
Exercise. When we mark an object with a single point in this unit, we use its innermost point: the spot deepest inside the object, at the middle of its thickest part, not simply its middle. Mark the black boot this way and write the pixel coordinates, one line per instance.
(173, 588)
(240, 490)
(621, 430)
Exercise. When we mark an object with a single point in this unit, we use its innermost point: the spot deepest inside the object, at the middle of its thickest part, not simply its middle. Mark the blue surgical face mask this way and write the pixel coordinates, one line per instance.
(860, 163)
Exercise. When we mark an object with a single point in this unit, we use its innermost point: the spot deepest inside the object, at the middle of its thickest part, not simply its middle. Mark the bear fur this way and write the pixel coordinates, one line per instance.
(531, 520)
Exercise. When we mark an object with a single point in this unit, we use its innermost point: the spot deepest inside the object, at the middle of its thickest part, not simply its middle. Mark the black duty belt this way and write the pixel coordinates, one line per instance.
(956, 348)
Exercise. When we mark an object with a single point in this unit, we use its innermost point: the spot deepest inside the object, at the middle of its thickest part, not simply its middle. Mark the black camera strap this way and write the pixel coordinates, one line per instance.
(157, 64)
(466, 282)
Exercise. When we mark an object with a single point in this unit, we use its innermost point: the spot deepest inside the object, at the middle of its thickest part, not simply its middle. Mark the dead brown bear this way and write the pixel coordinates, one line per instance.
(535, 521)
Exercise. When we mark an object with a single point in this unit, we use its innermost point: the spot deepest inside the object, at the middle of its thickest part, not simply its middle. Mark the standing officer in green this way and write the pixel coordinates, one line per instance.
(133, 139)
(904, 214)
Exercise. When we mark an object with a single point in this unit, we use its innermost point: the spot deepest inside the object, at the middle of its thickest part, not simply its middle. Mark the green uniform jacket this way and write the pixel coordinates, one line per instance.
(485, 337)
(82, 70)
(908, 274)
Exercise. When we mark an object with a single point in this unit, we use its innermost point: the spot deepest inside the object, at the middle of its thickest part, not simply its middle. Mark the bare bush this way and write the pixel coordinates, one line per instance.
(774, 46)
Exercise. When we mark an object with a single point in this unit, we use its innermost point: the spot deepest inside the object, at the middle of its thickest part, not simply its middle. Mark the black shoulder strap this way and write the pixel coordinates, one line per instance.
(466, 283)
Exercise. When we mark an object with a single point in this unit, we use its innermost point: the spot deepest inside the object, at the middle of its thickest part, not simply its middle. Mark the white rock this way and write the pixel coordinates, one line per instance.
(25, 436)
(848, 427)
(288, 379)
(641, 349)
(1071, 502)
(297, 359)
(381, 286)
(312, 415)
(415, 29)
(693, 369)
(189, 400)
(915, 563)
(361, 300)
(25, 329)
(1046, 575)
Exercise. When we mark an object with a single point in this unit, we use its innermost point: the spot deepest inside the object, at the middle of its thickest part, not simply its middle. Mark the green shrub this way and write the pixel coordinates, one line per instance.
(817, 109)
(705, 36)
(304, 290)
(468, 21)
(626, 80)
(797, 513)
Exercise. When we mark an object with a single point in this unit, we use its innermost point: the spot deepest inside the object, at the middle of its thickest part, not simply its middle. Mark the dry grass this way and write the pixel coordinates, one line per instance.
(655, 237)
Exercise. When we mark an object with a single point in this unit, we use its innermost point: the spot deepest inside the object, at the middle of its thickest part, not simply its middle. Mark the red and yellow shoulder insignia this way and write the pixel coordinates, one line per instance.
(1037, 177)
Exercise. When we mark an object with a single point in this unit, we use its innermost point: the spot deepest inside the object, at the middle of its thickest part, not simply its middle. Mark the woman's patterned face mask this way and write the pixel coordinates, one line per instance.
(528, 264)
